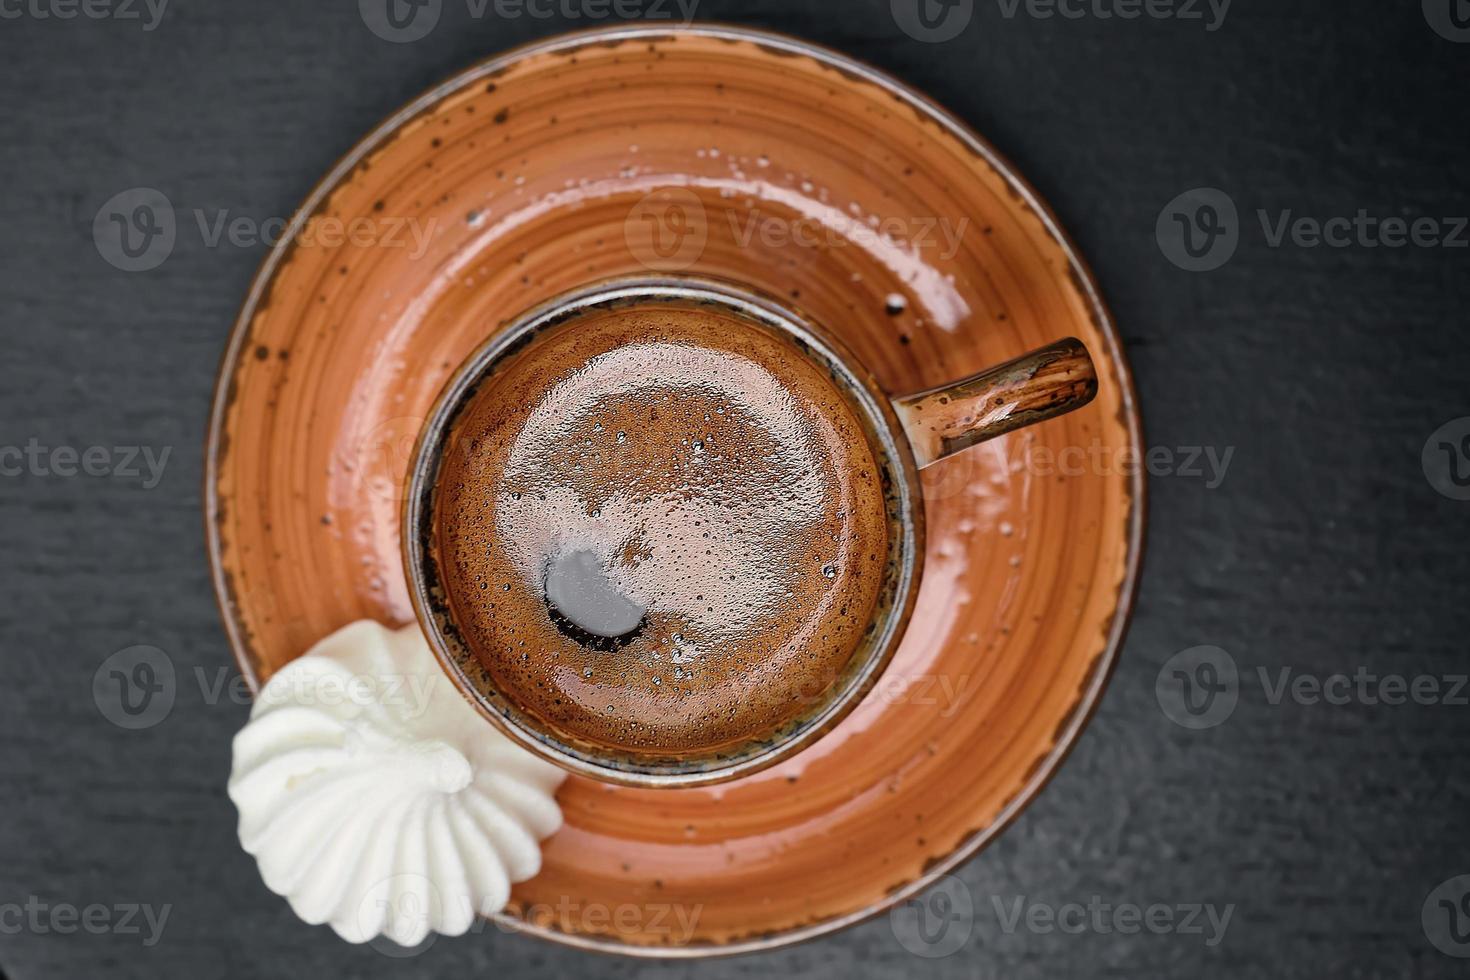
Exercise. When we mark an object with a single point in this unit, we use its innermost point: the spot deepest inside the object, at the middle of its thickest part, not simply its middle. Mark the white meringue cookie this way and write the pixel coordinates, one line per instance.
(377, 800)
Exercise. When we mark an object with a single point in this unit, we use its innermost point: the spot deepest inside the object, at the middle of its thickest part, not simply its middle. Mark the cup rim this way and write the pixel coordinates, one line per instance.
(903, 496)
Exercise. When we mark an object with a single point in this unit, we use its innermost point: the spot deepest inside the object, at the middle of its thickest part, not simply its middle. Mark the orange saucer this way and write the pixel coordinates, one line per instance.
(771, 162)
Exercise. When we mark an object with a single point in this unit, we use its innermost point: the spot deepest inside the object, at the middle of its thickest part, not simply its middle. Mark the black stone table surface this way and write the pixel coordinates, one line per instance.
(1305, 347)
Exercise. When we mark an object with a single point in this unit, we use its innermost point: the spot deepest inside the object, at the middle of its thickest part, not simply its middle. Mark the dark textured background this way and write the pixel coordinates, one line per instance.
(1325, 549)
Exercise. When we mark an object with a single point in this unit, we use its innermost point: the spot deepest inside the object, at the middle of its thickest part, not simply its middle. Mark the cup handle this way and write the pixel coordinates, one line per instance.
(1033, 388)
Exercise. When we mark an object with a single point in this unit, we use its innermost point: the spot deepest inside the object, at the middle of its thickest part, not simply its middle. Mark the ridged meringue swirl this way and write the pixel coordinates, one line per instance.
(377, 800)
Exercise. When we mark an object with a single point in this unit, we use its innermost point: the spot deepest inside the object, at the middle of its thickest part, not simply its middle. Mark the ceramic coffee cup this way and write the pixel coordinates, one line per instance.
(904, 434)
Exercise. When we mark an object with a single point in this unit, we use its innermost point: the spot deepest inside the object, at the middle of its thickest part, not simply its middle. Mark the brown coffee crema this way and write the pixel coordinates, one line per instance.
(662, 529)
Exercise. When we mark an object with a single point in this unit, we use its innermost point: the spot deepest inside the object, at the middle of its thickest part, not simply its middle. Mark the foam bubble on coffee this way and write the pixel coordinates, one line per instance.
(681, 495)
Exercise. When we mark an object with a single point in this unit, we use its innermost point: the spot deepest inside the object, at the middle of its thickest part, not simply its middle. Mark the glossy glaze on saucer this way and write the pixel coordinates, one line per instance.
(802, 174)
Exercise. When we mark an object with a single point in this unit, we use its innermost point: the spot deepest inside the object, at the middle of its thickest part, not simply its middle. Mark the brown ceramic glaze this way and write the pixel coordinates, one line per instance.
(802, 174)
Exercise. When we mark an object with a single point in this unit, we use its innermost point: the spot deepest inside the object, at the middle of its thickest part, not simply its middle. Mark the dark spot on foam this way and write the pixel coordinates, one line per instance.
(605, 644)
